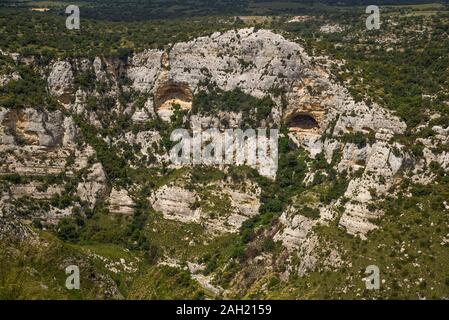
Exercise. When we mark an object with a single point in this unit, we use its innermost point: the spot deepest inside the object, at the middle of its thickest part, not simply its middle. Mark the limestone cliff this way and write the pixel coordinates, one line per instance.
(65, 159)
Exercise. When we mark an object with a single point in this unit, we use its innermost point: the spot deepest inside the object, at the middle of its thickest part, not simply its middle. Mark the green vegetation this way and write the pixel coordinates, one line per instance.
(141, 10)
(44, 34)
(28, 91)
(399, 67)
(44, 275)
(359, 139)
(117, 169)
(166, 283)
(410, 236)
(215, 100)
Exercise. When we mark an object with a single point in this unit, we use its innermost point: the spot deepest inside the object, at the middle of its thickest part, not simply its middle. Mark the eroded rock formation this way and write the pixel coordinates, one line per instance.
(320, 114)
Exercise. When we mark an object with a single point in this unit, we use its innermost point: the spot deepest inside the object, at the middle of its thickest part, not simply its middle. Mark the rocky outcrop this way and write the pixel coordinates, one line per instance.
(60, 79)
(382, 164)
(144, 68)
(35, 190)
(251, 60)
(297, 227)
(176, 203)
(34, 142)
(331, 28)
(245, 205)
(255, 61)
(100, 74)
(120, 202)
(145, 113)
(359, 117)
(93, 187)
(32, 127)
(321, 115)
(219, 207)
(298, 237)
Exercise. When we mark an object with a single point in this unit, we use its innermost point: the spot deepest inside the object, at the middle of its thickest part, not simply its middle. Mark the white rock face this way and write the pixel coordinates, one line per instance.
(378, 177)
(100, 74)
(60, 80)
(298, 237)
(359, 117)
(329, 147)
(35, 142)
(175, 203)
(6, 136)
(38, 143)
(244, 207)
(317, 95)
(94, 186)
(144, 114)
(297, 228)
(144, 69)
(71, 132)
(353, 157)
(33, 127)
(178, 203)
(121, 202)
(248, 59)
(80, 101)
(312, 143)
(432, 144)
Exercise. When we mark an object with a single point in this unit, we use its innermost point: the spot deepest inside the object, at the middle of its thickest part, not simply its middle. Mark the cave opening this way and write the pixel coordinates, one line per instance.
(169, 94)
(302, 122)
(172, 92)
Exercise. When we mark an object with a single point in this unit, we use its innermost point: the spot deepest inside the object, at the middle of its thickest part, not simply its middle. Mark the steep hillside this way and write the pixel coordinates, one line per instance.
(86, 178)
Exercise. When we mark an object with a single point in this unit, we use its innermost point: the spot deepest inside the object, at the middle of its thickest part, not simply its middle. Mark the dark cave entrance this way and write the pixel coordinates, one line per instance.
(302, 121)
